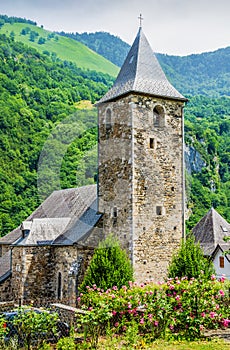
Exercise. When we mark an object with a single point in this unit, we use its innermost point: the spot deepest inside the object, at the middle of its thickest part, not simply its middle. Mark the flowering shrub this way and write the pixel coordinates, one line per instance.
(179, 308)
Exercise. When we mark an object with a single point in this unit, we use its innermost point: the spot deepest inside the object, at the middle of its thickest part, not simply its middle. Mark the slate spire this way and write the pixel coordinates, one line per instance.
(141, 72)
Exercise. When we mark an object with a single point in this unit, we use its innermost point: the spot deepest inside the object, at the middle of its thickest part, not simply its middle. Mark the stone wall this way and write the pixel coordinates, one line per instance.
(6, 293)
(141, 179)
(44, 274)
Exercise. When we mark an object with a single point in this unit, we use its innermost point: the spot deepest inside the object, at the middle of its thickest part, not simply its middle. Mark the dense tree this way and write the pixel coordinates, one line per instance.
(110, 266)
(189, 261)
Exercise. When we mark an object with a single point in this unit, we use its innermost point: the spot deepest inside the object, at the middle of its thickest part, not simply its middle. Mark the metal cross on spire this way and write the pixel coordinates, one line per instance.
(141, 19)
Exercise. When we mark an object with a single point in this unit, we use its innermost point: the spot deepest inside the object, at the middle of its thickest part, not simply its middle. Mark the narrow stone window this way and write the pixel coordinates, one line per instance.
(158, 116)
(115, 212)
(108, 124)
(221, 261)
(59, 286)
(151, 143)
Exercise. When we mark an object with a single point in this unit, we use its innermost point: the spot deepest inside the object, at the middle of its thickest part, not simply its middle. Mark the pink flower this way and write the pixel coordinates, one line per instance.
(177, 297)
(142, 321)
(114, 312)
(90, 308)
(142, 285)
(129, 306)
(202, 314)
(156, 323)
(113, 296)
(116, 324)
(222, 279)
(225, 322)
(114, 288)
(221, 292)
(201, 327)
(213, 277)
(171, 327)
(124, 328)
(150, 316)
(212, 314)
(171, 287)
(124, 287)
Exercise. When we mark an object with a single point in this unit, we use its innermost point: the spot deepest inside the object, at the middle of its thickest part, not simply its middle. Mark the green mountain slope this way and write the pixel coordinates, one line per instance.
(106, 44)
(37, 95)
(58, 47)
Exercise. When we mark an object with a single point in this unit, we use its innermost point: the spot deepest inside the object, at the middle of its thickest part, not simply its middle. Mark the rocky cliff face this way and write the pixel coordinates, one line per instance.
(193, 160)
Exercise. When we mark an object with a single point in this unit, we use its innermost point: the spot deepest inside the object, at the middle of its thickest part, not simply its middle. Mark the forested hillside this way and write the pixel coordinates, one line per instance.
(35, 95)
(39, 101)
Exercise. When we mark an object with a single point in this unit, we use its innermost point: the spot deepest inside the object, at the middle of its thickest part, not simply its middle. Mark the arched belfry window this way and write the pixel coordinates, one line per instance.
(158, 116)
(108, 123)
(59, 286)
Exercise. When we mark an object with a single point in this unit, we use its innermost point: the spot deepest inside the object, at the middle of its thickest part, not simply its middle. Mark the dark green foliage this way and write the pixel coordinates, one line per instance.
(41, 40)
(207, 131)
(35, 95)
(189, 261)
(110, 266)
(6, 19)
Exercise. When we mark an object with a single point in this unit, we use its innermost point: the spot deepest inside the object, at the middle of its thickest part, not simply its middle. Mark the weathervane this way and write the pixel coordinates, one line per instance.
(141, 19)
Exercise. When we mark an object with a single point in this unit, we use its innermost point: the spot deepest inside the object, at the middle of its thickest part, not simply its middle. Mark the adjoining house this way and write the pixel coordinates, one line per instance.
(210, 232)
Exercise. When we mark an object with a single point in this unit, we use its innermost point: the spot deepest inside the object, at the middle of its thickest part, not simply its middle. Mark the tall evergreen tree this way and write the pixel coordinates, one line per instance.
(110, 266)
(189, 261)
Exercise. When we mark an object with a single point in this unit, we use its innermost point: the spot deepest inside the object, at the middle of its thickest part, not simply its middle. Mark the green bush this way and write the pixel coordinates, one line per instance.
(189, 261)
(110, 266)
(66, 344)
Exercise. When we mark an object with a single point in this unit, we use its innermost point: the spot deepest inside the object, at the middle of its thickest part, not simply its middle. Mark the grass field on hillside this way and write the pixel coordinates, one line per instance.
(65, 48)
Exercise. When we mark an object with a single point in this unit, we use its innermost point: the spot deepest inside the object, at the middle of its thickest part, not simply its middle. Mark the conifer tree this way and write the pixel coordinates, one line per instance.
(110, 266)
(189, 261)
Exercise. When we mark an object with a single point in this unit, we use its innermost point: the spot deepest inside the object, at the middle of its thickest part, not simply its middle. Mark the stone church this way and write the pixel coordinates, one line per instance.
(139, 195)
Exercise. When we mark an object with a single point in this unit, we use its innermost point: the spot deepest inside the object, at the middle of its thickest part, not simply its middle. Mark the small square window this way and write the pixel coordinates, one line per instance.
(221, 260)
(159, 210)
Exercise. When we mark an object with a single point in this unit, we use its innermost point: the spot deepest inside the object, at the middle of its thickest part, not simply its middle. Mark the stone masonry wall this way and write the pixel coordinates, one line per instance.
(115, 171)
(6, 293)
(158, 185)
(35, 273)
(141, 179)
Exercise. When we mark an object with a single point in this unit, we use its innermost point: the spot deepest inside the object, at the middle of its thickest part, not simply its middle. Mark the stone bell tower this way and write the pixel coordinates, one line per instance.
(140, 180)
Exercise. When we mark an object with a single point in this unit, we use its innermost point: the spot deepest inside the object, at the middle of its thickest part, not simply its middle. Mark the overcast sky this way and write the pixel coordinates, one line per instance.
(179, 27)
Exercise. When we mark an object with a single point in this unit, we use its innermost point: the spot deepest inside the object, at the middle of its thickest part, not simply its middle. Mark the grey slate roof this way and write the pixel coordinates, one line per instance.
(59, 213)
(5, 266)
(141, 72)
(210, 231)
(81, 228)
